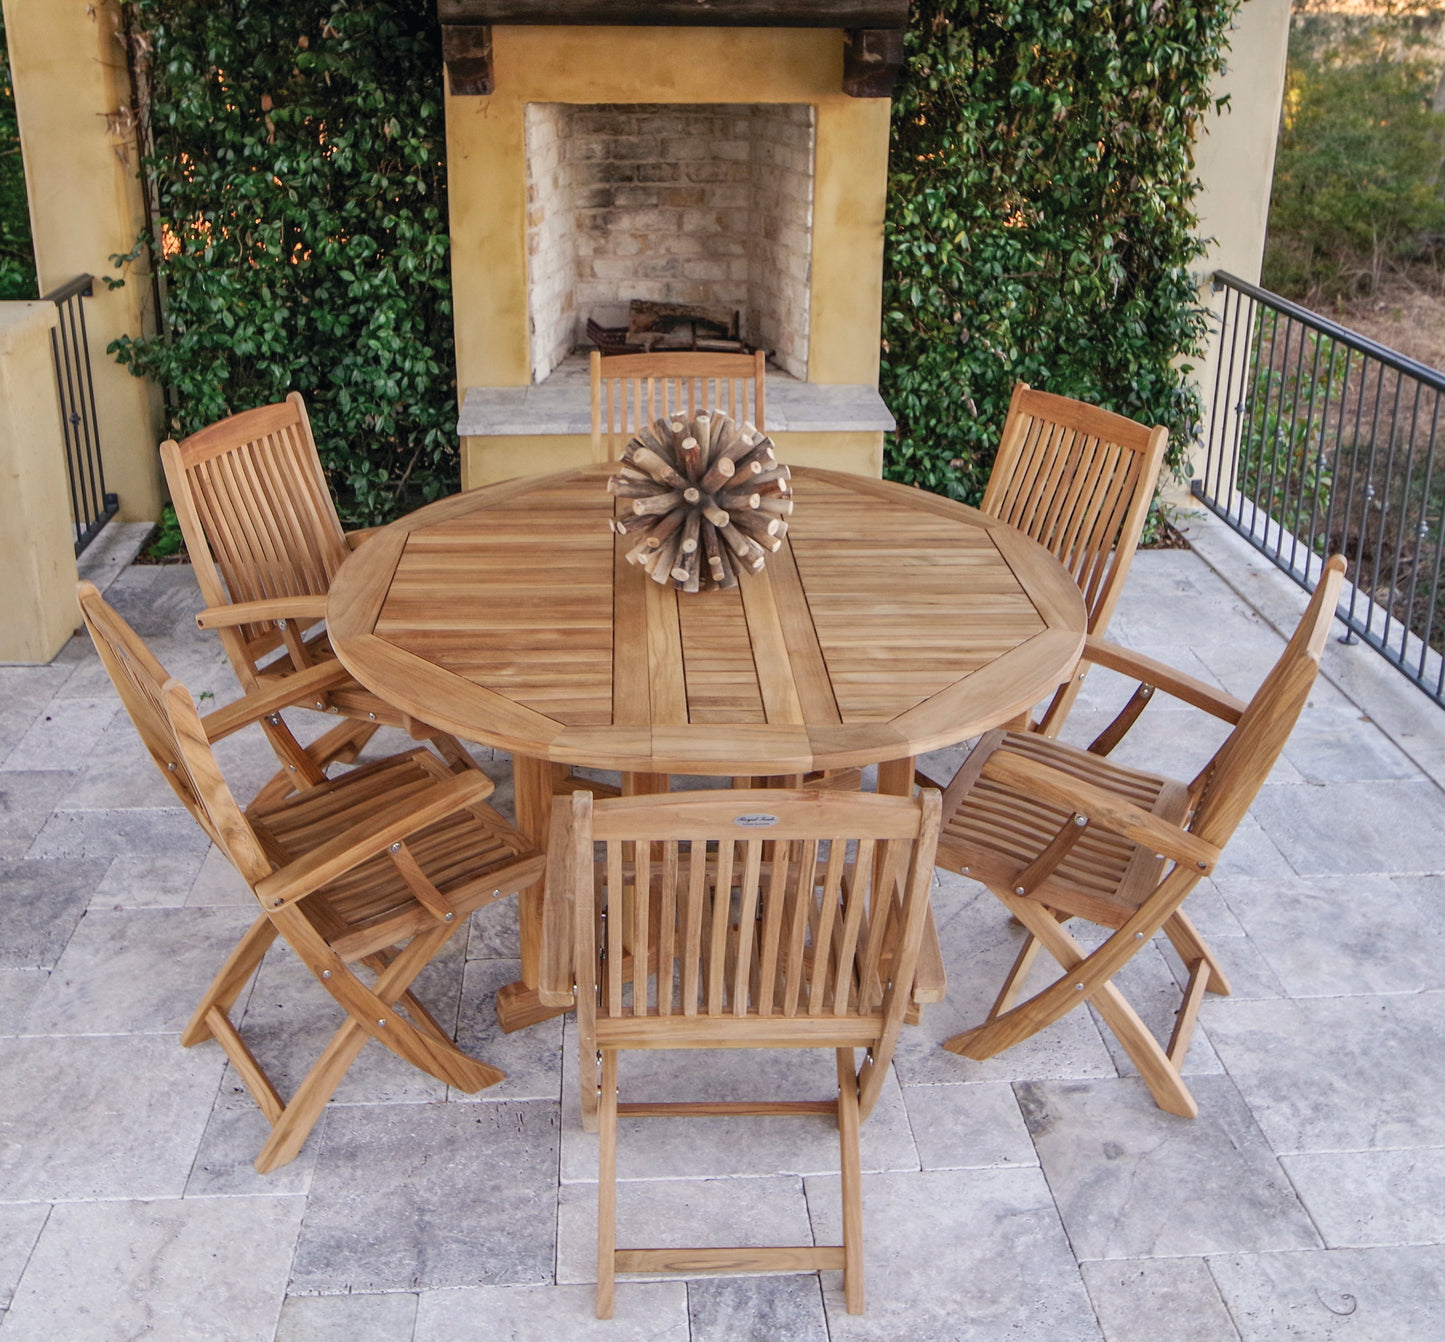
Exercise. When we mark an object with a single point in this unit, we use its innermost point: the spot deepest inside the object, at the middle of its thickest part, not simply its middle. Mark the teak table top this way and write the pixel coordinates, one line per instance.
(890, 623)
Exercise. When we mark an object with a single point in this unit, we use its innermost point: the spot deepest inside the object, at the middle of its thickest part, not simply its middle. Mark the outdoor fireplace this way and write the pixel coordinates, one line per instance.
(727, 155)
(701, 204)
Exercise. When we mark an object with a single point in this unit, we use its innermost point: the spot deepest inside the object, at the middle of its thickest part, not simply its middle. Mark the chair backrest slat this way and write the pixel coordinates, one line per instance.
(1079, 480)
(170, 728)
(630, 391)
(1227, 786)
(255, 510)
(809, 923)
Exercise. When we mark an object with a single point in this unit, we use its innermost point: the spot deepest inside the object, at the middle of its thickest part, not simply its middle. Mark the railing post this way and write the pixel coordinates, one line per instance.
(37, 555)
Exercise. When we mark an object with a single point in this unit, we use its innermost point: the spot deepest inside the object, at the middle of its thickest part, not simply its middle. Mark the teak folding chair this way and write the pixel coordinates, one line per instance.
(632, 390)
(1079, 480)
(379, 867)
(263, 535)
(737, 919)
(1058, 833)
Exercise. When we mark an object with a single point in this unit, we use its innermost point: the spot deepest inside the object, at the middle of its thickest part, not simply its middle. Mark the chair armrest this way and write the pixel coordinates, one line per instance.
(308, 608)
(1151, 672)
(331, 859)
(1102, 807)
(556, 981)
(355, 538)
(283, 693)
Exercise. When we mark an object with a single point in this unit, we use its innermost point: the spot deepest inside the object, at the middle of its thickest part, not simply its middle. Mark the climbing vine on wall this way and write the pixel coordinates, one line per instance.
(1040, 220)
(299, 190)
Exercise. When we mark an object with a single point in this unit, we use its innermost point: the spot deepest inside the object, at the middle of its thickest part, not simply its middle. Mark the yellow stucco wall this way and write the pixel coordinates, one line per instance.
(37, 544)
(487, 192)
(487, 460)
(70, 81)
(487, 180)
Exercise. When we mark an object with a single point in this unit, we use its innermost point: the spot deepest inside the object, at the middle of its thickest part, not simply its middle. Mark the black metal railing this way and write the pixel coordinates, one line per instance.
(91, 506)
(1320, 441)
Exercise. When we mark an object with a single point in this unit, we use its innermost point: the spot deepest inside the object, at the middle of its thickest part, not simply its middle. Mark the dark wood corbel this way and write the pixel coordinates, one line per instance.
(872, 58)
(467, 51)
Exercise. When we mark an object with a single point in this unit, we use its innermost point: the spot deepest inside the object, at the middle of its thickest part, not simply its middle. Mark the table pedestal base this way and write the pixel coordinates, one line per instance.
(519, 1006)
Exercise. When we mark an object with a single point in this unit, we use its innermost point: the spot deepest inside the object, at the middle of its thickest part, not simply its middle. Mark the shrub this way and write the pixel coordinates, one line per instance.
(1358, 168)
(17, 260)
(299, 177)
(1040, 220)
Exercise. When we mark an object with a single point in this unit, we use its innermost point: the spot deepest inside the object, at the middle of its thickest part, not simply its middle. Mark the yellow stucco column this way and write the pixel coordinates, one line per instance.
(72, 98)
(37, 541)
(1234, 158)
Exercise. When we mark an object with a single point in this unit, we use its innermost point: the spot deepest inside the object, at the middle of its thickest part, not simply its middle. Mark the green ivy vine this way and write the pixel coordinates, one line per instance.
(1040, 223)
(299, 179)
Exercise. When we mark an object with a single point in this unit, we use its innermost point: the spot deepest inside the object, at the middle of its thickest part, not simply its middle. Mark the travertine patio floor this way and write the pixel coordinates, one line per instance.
(1038, 1196)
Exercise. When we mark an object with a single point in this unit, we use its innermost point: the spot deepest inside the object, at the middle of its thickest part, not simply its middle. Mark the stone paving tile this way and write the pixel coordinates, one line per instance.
(235, 1133)
(18, 989)
(289, 1018)
(1324, 936)
(979, 948)
(1337, 1073)
(493, 933)
(683, 1148)
(416, 1197)
(357, 1318)
(158, 601)
(1363, 1198)
(104, 834)
(150, 881)
(167, 1269)
(667, 1213)
(67, 738)
(218, 883)
(1131, 1181)
(757, 1309)
(138, 971)
(644, 1312)
(20, 1226)
(106, 1117)
(41, 903)
(27, 797)
(1355, 827)
(1253, 852)
(968, 1127)
(1148, 1299)
(963, 1255)
(1336, 743)
(1246, 971)
(531, 1058)
(1156, 994)
(1341, 1295)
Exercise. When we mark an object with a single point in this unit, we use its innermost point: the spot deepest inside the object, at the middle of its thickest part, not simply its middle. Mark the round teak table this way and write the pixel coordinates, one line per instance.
(891, 622)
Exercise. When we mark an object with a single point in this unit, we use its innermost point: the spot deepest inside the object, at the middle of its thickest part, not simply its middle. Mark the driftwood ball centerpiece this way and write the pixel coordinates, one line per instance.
(703, 498)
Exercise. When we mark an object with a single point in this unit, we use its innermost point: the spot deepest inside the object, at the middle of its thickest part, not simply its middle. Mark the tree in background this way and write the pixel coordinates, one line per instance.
(17, 259)
(299, 188)
(1357, 178)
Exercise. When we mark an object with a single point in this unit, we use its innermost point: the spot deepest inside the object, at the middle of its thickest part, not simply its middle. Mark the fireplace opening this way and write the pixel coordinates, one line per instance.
(699, 204)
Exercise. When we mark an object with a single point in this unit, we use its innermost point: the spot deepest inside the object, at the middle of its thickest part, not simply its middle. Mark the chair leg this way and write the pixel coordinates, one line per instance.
(291, 1130)
(591, 1080)
(607, 1185)
(1185, 939)
(453, 752)
(233, 976)
(852, 1182)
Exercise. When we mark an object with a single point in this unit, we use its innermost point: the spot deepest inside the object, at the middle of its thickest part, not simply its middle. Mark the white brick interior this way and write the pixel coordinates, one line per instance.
(709, 203)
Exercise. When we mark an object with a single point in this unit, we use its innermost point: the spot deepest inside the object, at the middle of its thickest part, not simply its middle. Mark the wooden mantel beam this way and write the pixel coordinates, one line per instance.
(851, 14)
(872, 57)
